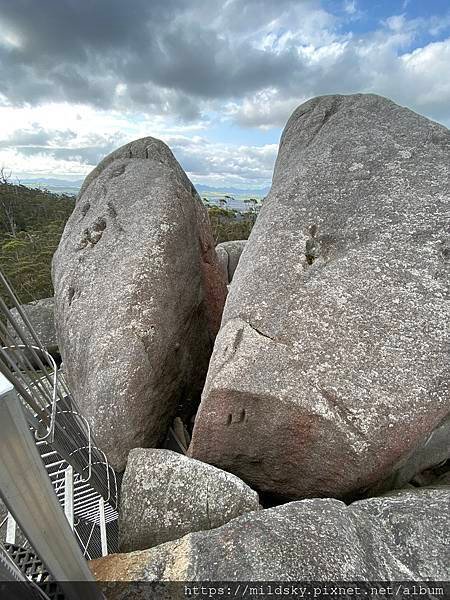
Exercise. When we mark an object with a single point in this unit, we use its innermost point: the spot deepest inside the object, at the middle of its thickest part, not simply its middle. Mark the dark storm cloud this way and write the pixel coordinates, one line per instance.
(69, 50)
(80, 51)
(199, 62)
(187, 58)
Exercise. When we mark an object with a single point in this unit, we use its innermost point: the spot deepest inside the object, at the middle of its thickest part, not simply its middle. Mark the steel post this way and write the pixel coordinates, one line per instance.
(68, 495)
(10, 530)
(102, 523)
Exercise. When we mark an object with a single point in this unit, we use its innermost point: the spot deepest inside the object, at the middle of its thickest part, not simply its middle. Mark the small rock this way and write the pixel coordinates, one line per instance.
(42, 317)
(443, 479)
(166, 495)
(229, 254)
(420, 465)
(222, 258)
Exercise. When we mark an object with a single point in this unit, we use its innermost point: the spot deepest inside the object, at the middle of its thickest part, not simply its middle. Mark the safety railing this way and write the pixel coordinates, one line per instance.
(48, 458)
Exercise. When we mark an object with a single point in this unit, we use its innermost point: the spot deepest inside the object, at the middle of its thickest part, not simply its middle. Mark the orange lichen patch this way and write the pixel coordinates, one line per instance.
(119, 567)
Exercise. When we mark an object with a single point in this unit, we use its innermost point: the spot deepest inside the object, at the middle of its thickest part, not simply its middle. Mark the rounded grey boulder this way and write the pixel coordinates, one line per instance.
(331, 366)
(41, 314)
(138, 297)
(166, 495)
(229, 254)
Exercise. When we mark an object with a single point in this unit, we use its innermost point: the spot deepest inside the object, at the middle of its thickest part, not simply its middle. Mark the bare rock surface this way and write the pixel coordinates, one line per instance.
(41, 315)
(332, 362)
(138, 296)
(222, 257)
(166, 495)
(229, 254)
(399, 537)
(418, 466)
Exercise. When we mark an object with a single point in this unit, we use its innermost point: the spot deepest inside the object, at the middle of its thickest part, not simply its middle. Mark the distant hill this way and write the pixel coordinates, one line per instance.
(235, 192)
(72, 187)
(56, 186)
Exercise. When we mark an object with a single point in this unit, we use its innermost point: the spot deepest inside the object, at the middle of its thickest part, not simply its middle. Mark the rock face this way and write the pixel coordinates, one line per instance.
(332, 362)
(166, 495)
(403, 537)
(444, 479)
(418, 466)
(229, 254)
(41, 315)
(138, 296)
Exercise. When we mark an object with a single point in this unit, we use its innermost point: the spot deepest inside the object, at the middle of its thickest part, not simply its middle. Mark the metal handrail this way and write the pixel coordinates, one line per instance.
(50, 433)
(30, 497)
(63, 444)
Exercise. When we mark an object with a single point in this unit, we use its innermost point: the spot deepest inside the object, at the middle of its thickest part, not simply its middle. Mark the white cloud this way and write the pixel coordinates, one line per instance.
(396, 22)
(375, 64)
(220, 164)
(266, 109)
(350, 7)
(424, 71)
(40, 166)
(81, 136)
(188, 68)
(93, 133)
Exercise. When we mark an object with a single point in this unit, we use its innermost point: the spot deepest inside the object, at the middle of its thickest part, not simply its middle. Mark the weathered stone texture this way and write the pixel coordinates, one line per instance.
(166, 495)
(403, 537)
(331, 366)
(229, 254)
(42, 318)
(139, 297)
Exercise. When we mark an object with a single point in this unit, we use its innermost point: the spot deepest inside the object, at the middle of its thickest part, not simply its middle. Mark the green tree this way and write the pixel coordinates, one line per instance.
(31, 224)
(228, 224)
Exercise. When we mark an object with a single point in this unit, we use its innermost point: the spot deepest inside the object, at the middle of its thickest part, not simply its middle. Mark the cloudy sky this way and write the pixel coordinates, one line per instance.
(215, 79)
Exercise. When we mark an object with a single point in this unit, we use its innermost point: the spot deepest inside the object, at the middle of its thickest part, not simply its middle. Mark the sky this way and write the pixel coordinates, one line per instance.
(215, 79)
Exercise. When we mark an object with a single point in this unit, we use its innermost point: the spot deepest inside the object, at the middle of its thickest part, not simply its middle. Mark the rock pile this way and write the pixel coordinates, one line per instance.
(329, 376)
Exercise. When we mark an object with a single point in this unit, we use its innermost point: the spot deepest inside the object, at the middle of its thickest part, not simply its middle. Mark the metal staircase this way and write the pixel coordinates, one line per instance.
(36, 405)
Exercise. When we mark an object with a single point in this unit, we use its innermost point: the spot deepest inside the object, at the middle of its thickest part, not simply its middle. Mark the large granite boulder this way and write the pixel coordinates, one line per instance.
(403, 537)
(166, 495)
(332, 362)
(41, 315)
(138, 297)
(229, 254)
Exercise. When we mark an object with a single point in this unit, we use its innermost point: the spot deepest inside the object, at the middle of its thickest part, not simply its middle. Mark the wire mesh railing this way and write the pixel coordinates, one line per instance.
(86, 486)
